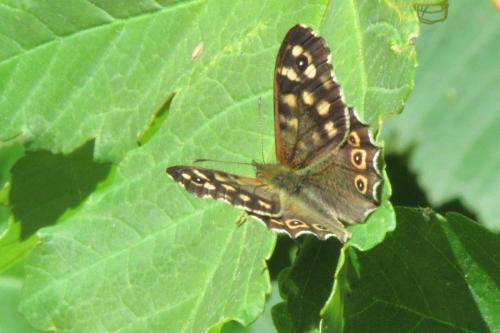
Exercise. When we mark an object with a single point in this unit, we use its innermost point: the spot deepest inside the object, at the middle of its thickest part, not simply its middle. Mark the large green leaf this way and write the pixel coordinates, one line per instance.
(140, 254)
(432, 274)
(11, 320)
(451, 122)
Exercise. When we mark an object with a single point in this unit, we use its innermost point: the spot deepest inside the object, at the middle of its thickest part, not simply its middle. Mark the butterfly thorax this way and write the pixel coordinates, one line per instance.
(278, 177)
(297, 194)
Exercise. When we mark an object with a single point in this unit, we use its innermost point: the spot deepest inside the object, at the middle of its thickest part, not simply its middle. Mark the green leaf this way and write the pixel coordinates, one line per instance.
(141, 254)
(44, 187)
(432, 274)
(306, 285)
(10, 289)
(451, 123)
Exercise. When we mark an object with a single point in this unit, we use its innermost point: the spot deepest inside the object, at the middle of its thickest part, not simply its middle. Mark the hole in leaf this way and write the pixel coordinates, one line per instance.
(155, 121)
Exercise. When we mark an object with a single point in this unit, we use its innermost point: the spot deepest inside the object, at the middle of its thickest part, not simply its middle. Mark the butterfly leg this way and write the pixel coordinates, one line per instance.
(241, 219)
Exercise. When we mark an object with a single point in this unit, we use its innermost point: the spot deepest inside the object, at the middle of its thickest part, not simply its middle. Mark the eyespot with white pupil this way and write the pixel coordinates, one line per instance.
(357, 158)
(360, 185)
(301, 63)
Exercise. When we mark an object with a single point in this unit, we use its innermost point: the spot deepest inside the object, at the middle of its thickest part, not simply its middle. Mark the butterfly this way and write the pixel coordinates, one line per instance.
(327, 173)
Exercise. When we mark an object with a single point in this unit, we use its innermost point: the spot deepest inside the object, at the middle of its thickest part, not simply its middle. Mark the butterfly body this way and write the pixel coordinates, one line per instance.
(327, 172)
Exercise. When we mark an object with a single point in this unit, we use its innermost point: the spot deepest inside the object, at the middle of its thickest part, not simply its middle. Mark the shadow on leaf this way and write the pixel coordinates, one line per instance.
(45, 185)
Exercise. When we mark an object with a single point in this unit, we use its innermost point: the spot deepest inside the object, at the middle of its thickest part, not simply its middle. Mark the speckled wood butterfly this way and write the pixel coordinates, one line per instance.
(327, 172)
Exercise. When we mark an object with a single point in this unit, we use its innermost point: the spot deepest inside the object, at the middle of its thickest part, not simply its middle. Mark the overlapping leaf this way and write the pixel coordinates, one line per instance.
(451, 123)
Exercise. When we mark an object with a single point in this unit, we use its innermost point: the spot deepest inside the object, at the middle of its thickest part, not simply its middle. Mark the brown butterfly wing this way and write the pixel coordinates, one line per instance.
(351, 182)
(311, 117)
(293, 224)
(247, 193)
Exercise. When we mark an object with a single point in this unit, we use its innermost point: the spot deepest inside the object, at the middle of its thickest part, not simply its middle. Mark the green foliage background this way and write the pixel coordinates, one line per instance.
(98, 238)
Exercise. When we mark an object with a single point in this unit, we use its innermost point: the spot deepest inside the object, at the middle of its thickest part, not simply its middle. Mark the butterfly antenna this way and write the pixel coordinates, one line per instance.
(261, 128)
(203, 160)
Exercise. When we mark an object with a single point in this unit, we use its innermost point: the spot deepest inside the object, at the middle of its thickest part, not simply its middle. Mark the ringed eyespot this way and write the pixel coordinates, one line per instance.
(319, 227)
(357, 158)
(361, 183)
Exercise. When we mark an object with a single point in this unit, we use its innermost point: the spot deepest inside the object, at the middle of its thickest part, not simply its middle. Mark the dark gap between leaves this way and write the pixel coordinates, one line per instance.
(407, 192)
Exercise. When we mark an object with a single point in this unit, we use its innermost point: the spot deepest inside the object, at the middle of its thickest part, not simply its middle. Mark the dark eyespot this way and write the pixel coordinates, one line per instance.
(319, 227)
(357, 158)
(360, 185)
(301, 63)
(296, 189)
(198, 180)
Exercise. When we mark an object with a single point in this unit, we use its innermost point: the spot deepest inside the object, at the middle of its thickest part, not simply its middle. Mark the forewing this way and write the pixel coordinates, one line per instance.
(311, 117)
(247, 193)
(351, 183)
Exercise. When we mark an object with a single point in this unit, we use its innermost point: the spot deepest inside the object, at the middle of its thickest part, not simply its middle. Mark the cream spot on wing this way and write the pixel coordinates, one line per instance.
(220, 178)
(327, 81)
(290, 73)
(323, 108)
(310, 71)
(186, 176)
(290, 100)
(276, 221)
(330, 129)
(229, 187)
(264, 204)
(293, 123)
(245, 197)
(209, 186)
(316, 138)
(200, 174)
(297, 50)
(308, 97)
(282, 119)
(308, 56)
(302, 145)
